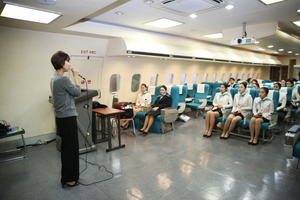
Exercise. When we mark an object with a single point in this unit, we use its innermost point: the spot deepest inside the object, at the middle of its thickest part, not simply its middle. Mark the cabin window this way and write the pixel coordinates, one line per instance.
(253, 76)
(229, 77)
(242, 77)
(214, 78)
(236, 76)
(182, 79)
(114, 83)
(195, 78)
(135, 82)
(257, 76)
(205, 78)
(169, 79)
(153, 79)
(222, 77)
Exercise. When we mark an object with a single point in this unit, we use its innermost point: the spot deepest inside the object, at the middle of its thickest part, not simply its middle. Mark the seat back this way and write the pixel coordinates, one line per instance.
(154, 91)
(288, 92)
(175, 96)
(183, 89)
(210, 84)
(215, 85)
(192, 87)
(274, 95)
(253, 93)
(202, 92)
(233, 92)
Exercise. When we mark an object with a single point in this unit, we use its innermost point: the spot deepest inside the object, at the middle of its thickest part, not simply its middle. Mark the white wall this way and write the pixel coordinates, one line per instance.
(26, 71)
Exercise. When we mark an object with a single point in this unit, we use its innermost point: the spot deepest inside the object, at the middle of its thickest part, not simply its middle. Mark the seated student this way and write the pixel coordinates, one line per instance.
(262, 107)
(255, 85)
(231, 83)
(295, 94)
(254, 81)
(241, 100)
(222, 100)
(162, 101)
(142, 99)
(283, 82)
(249, 80)
(282, 101)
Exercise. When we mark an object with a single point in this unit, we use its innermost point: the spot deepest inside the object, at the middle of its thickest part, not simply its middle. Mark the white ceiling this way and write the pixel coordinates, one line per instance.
(136, 13)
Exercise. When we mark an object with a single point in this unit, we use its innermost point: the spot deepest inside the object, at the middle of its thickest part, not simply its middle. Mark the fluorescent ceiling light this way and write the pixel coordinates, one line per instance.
(297, 23)
(268, 2)
(256, 42)
(228, 7)
(193, 15)
(290, 51)
(261, 49)
(15, 11)
(275, 52)
(215, 35)
(163, 23)
(270, 46)
(280, 49)
(297, 54)
(298, 10)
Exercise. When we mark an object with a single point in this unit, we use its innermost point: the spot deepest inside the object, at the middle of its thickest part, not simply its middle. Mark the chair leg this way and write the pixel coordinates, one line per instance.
(197, 113)
(133, 127)
(298, 163)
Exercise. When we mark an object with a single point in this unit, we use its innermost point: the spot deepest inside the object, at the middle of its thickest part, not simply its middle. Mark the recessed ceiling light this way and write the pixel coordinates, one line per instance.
(21, 12)
(163, 23)
(228, 7)
(148, 1)
(119, 13)
(268, 2)
(270, 46)
(290, 51)
(297, 23)
(256, 42)
(193, 15)
(215, 35)
(296, 54)
(298, 10)
(280, 49)
(275, 52)
(261, 49)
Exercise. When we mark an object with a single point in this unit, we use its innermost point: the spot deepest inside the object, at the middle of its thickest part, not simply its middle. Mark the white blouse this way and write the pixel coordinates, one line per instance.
(282, 100)
(242, 101)
(142, 97)
(264, 106)
(224, 99)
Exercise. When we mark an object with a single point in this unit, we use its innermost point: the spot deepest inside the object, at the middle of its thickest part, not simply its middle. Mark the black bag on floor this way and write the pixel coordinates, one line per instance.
(128, 113)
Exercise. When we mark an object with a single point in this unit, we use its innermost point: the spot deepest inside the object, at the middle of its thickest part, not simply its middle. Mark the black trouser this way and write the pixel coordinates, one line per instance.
(67, 130)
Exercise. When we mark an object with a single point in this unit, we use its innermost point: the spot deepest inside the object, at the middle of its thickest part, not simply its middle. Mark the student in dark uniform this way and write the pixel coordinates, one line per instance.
(162, 101)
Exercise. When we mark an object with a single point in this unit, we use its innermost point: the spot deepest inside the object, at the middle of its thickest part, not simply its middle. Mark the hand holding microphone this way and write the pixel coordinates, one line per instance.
(75, 72)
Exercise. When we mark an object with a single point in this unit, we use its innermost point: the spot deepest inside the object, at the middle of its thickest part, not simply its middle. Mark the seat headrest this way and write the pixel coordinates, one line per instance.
(151, 89)
(201, 88)
(169, 89)
(190, 86)
(180, 88)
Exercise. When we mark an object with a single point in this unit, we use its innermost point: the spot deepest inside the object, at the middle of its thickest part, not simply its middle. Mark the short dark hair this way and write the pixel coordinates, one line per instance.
(232, 79)
(244, 84)
(257, 84)
(254, 80)
(289, 80)
(265, 89)
(58, 59)
(279, 85)
(226, 86)
(143, 84)
(163, 86)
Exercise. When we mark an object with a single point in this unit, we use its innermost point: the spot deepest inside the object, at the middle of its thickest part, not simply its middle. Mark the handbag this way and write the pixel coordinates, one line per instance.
(4, 127)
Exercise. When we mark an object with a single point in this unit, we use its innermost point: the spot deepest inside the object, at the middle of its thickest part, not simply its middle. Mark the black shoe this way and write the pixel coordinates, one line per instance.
(208, 135)
(254, 143)
(64, 185)
(250, 143)
(204, 135)
(221, 137)
(145, 133)
(140, 130)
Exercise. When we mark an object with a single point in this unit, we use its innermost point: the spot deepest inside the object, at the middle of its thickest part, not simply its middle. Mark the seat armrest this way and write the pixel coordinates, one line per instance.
(169, 114)
(203, 103)
(274, 119)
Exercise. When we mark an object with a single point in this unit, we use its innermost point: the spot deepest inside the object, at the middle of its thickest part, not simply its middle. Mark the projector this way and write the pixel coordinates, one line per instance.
(243, 40)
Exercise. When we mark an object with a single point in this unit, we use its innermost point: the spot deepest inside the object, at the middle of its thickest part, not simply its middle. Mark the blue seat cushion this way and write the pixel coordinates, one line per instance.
(193, 105)
(265, 125)
(293, 111)
(296, 151)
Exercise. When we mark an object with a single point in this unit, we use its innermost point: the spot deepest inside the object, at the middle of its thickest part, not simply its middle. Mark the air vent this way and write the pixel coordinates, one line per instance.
(210, 59)
(186, 7)
(248, 63)
(235, 61)
(185, 57)
(219, 60)
(148, 53)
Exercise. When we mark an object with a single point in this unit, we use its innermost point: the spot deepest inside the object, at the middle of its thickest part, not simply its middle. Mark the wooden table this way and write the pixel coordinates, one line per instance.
(106, 114)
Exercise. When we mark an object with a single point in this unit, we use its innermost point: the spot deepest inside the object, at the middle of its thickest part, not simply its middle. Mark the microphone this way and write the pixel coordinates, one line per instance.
(79, 75)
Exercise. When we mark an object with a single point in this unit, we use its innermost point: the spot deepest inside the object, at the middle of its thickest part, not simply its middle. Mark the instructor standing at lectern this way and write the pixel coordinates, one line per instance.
(63, 93)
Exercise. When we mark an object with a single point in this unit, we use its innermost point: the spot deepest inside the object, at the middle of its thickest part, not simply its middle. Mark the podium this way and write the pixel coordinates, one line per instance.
(83, 105)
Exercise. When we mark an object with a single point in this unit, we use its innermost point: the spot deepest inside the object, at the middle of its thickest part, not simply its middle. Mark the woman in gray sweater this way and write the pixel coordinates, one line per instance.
(63, 93)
